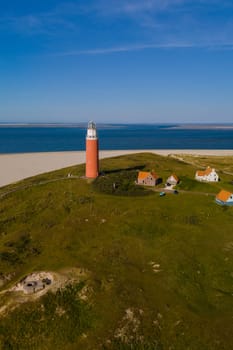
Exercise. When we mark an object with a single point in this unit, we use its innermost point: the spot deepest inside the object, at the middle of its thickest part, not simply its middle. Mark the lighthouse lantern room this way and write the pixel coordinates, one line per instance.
(92, 152)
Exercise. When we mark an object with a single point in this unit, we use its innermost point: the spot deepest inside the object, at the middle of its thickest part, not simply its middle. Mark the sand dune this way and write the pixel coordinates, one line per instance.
(15, 167)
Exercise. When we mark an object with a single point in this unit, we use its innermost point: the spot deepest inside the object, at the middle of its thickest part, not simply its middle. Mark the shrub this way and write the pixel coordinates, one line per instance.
(120, 183)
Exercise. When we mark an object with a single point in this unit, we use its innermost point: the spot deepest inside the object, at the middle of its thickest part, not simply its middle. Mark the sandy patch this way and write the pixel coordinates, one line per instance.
(25, 290)
(16, 167)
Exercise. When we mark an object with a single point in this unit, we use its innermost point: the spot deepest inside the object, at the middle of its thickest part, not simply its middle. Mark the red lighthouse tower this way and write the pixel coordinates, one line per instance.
(92, 152)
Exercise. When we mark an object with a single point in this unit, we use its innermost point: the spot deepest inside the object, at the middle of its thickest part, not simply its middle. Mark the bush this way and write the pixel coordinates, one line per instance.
(18, 250)
(120, 183)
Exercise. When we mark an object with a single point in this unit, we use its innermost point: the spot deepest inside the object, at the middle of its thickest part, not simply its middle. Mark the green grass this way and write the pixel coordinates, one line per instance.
(116, 236)
(52, 322)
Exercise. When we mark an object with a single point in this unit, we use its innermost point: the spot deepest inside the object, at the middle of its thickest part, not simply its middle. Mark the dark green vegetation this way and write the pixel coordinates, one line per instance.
(16, 252)
(120, 182)
(161, 269)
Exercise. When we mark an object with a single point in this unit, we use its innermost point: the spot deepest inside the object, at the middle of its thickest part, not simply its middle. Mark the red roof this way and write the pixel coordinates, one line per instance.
(144, 174)
(223, 195)
(204, 172)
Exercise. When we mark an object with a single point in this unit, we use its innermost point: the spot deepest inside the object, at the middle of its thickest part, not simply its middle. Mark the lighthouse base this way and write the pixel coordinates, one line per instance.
(92, 158)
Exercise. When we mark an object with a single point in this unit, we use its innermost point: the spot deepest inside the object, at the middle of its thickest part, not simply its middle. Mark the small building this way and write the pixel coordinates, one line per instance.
(224, 198)
(207, 175)
(173, 180)
(148, 178)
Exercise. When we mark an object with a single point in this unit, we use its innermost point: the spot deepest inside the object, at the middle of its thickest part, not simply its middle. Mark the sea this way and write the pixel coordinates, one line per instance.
(55, 138)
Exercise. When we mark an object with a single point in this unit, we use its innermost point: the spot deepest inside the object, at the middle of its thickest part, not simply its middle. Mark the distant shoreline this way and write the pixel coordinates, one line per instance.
(18, 166)
(181, 126)
(202, 127)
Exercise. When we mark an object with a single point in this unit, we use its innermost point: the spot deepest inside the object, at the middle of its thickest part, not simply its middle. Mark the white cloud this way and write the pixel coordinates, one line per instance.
(141, 47)
(165, 23)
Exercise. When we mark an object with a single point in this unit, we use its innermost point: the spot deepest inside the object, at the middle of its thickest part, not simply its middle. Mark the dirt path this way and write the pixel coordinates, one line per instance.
(181, 159)
(20, 188)
(183, 191)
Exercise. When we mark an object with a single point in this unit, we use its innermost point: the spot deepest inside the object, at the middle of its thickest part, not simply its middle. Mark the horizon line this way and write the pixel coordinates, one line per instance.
(113, 123)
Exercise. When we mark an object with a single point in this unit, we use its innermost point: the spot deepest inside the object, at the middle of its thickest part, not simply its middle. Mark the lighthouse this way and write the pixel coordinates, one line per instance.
(92, 152)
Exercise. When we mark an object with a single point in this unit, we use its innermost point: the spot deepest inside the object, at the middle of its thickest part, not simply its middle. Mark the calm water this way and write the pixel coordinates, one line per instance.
(47, 139)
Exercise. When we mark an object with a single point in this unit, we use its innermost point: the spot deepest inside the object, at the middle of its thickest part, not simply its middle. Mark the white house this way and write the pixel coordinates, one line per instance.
(224, 198)
(208, 175)
(172, 180)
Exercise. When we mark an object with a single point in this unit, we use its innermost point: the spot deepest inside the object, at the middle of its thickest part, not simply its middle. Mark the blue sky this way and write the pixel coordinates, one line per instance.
(116, 61)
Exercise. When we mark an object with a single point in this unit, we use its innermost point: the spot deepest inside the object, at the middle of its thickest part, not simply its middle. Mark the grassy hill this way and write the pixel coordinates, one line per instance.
(158, 270)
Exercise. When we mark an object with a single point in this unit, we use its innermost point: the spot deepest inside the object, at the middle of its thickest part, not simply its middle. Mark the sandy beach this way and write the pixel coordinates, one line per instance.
(15, 167)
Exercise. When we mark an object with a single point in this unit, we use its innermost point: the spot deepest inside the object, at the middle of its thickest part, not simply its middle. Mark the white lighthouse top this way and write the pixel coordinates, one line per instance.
(91, 130)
